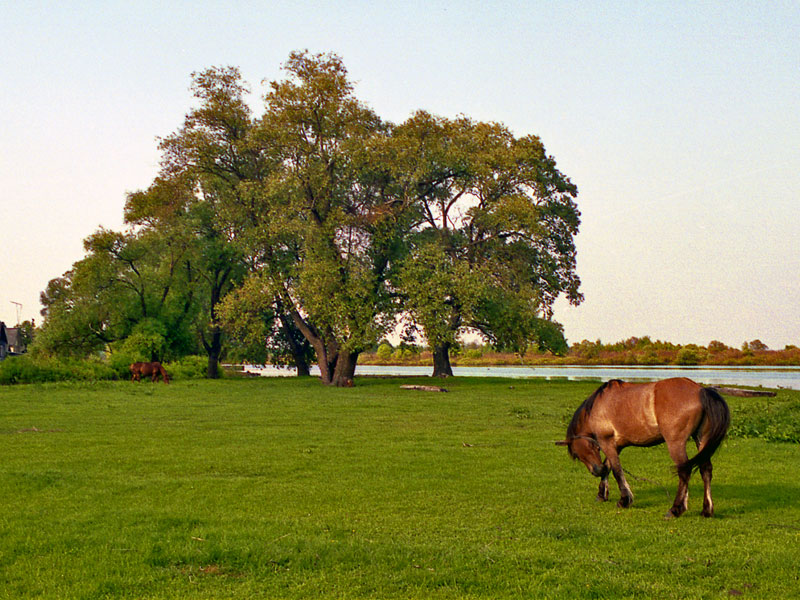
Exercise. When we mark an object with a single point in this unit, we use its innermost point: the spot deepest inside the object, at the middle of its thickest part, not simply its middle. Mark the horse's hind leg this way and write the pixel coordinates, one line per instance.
(708, 503)
(678, 453)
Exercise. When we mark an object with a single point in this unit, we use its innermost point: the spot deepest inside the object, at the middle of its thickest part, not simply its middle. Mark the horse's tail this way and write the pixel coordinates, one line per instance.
(718, 419)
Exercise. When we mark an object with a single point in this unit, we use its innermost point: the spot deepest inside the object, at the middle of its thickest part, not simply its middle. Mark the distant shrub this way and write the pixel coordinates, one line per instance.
(473, 353)
(189, 367)
(648, 357)
(755, 345)
(384, 351)
(690, 355)
(120, 361)
(40, 369)
(771, 421)
(148, 339)
(715, 347)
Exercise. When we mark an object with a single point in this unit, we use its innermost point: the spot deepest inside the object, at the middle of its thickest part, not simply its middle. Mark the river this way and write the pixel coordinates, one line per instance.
(767, 377)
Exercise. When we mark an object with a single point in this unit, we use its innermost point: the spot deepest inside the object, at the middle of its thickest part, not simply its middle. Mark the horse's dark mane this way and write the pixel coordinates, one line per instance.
(585, 409)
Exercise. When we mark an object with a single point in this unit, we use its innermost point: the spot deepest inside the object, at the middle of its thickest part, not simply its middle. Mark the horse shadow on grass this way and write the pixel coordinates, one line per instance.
(730, 499)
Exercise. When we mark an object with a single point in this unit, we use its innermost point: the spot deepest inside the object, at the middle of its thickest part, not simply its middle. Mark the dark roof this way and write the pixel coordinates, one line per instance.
(12, 336)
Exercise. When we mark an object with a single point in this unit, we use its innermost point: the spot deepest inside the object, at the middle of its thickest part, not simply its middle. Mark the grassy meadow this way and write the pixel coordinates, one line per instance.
(275, 488)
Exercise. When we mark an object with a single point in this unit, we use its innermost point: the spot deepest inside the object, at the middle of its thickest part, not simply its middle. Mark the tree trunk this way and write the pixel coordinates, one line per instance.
(327, 353)
(298, 349)
(345, 369)
(441, 361)
(212, 371)
(214, 349)
(303, 369)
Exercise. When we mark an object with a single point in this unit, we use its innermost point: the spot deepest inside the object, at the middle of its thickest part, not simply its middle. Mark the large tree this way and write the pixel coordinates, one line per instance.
(215, 150)
(179, 209)
(493, 247)
(332, 217)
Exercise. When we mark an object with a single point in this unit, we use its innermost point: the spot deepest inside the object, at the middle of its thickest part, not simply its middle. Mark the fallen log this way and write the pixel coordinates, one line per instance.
(743, 393)
(423, 388)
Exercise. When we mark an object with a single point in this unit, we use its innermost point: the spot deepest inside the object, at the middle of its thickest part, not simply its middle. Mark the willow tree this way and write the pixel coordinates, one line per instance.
(215, 151)
(331, 216)
(129, 283)
(494, 244)
(180, 208)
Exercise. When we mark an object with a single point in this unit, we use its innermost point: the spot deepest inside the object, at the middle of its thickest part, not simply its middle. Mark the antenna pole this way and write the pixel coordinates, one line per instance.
(19, 310)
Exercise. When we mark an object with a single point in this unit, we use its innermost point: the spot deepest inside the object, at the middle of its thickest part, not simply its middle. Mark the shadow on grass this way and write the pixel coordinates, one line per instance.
(744, 498)
(730, 499)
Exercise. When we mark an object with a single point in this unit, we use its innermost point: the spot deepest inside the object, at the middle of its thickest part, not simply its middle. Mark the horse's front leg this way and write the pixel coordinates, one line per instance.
(602, 492)
(612, 456)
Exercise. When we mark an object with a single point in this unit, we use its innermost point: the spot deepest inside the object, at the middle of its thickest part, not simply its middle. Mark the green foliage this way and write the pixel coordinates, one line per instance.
(440, 292)
(259, 331)
(688, 355)
(774, 420)
(121, 362)
(38, 369)
(494, 247)
(384, 351)
(146, 342)
(715, 347)
(124, 279)
(41, 369)
(26, 332)
(188, 367)
(472, 353)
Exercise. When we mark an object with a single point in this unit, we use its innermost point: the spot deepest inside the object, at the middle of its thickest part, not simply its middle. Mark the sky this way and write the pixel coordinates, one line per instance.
(679, 123)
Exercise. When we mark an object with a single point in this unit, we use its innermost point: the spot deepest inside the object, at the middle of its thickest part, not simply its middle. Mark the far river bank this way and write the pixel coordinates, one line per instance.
(747, 376)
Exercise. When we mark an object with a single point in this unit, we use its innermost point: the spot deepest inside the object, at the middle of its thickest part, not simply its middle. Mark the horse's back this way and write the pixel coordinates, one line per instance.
(643, 414)
(678, 406)
(146, 368)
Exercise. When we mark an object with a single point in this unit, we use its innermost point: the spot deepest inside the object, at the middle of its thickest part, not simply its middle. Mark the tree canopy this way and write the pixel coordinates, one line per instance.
(493, 247)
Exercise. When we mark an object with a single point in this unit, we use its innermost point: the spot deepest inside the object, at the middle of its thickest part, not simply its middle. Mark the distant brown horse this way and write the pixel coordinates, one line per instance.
(148, 369)
(620, 414)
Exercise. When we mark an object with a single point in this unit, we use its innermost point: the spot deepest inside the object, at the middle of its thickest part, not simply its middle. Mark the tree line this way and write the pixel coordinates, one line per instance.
(307, 233)
(640, 351)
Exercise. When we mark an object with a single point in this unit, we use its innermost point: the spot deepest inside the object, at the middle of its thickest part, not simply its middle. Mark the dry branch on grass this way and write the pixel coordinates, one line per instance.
(728, 391)
(423, 388)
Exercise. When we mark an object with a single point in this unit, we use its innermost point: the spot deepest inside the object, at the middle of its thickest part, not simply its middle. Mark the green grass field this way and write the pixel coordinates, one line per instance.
(287, 489)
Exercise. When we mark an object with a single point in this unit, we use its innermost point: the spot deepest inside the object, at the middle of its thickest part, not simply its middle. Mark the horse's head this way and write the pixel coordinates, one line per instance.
(587, 450)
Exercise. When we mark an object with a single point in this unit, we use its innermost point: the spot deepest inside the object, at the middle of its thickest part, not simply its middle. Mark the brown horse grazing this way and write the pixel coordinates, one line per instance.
(620, 414)
(148, 369)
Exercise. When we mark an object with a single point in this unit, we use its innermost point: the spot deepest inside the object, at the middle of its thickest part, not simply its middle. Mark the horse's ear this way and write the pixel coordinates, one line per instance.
(562, 443)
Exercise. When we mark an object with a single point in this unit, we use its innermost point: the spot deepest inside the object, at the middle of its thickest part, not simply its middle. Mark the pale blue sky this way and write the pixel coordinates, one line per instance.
(679, 122)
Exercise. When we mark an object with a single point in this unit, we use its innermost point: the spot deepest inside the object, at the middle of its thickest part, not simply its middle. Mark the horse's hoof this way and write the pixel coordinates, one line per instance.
(625, 502)
(601, 498)
(669, 516)
(708, 513)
